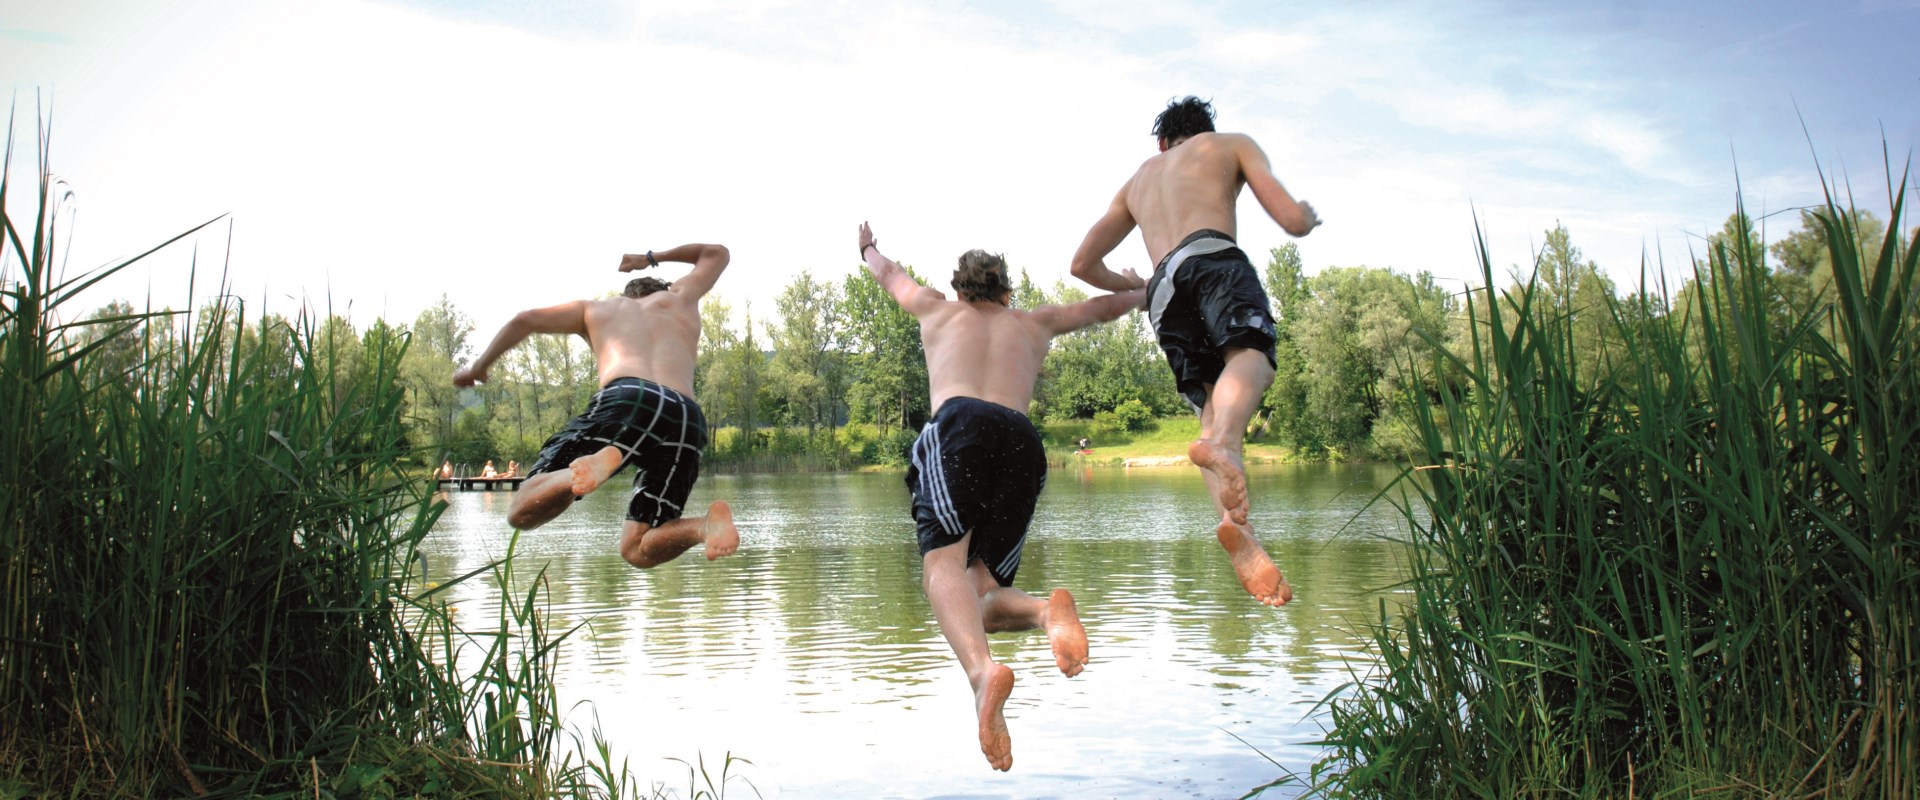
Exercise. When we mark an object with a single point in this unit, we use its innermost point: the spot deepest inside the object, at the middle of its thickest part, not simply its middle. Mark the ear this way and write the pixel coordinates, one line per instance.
(1163, 145)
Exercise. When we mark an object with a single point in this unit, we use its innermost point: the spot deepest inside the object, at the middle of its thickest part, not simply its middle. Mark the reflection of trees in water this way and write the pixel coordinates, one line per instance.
(827, 583)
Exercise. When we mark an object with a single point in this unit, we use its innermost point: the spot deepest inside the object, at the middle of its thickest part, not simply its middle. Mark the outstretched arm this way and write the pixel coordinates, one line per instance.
(1089, 262)
(906, 291)
(1074, 316)
(1295, 217)
(563, 318)
(708, 260)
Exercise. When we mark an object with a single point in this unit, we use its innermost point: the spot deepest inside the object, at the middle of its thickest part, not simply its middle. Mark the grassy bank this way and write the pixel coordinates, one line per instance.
(208, 561)
(1161, 441)
(1698, 572)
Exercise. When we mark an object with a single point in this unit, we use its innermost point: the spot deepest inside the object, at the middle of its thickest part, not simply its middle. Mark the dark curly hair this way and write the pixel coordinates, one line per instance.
(643, 286)
(1183, 118)
(981, 276)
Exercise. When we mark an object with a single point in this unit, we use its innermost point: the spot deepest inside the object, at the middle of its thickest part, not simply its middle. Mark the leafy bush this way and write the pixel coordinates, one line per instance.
(1131, 416)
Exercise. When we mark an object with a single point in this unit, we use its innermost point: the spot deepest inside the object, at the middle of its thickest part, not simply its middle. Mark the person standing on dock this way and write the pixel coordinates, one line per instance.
(644, 346)
(978, 467)
(1205, 300)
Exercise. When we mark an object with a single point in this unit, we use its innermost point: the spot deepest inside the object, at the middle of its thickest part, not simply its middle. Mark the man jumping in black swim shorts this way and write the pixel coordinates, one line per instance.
(978, 468)
(1205, 300)
(644, 416)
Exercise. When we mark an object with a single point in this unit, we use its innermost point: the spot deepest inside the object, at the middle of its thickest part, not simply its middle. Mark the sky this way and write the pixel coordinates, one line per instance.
(370, 157)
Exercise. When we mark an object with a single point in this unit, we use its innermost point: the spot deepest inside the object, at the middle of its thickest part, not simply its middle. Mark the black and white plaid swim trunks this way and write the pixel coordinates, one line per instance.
(661, 432)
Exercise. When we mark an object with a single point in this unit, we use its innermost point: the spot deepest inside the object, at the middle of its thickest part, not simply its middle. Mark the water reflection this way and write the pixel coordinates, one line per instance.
(812, 651)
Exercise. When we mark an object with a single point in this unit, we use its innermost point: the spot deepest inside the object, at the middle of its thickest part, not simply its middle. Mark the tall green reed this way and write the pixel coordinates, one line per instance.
(1699, 571)
(209, 579)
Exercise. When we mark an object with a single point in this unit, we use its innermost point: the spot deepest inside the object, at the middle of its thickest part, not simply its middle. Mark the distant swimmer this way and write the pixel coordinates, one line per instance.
(644, 344)
(978, 467)
(1205, 300)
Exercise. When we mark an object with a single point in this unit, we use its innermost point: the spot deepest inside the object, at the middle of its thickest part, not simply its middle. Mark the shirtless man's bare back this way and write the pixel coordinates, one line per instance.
(1205, 300)
(978, 468)
(644, 345)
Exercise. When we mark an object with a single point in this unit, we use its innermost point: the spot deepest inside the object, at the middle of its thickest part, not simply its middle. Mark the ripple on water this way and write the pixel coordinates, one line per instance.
(813, 652)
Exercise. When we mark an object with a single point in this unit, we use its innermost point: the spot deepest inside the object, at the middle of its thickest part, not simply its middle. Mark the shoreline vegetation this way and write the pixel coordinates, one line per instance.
(1666, 543)
(1688, 566)
(1163, 443)
(209, 577)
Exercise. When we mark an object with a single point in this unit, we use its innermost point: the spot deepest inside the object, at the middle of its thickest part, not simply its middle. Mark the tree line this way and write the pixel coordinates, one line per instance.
(833, 376)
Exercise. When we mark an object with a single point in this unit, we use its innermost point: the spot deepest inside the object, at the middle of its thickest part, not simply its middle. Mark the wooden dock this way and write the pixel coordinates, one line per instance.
(480, 484)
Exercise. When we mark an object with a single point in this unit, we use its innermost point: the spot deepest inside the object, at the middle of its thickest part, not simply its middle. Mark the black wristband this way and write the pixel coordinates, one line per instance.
(650, 261)
(875, 244)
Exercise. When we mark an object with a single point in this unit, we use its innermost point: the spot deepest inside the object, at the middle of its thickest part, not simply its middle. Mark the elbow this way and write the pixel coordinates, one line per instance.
(716, 252)
(1081, 267)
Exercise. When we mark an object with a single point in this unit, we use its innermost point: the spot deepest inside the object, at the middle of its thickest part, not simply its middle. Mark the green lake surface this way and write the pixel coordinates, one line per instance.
(813, 654)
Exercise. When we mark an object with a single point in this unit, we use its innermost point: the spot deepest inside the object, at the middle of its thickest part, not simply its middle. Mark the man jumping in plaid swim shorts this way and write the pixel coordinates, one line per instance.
(644, 344)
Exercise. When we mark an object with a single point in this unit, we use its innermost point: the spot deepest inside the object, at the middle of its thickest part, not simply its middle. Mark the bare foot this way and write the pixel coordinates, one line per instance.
(591, 471)
(1069, 638)
(722, 537)
(1225, 465)
(1250, 562)
(988, 700)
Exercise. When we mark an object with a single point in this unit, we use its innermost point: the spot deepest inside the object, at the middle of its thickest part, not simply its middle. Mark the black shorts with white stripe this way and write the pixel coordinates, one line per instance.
(977, 467)
(660, 432)
(1205, 297)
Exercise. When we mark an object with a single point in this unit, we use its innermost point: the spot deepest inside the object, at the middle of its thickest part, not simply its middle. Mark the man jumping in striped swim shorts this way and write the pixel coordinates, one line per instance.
(644, 416)
(978, 467)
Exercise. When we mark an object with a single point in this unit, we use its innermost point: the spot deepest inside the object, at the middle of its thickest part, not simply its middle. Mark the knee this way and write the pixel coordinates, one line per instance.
(633, 548)
(523, 519)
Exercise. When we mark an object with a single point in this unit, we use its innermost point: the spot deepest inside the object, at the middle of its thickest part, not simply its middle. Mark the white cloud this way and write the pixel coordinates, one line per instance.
(390, 154)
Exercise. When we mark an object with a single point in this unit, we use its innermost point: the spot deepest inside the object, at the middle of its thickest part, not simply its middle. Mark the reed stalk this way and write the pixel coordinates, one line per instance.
(209, 576)
(1697, 572)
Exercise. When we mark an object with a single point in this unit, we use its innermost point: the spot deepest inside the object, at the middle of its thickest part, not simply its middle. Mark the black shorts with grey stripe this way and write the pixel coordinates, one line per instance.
(660, 431)
(978, 467)
(1205, 297)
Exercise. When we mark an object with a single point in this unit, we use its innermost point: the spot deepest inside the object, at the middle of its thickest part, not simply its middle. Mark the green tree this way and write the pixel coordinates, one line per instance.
(887, 361)
(1099, 368)
(809, 366)
(1025, 294)
(117, 332)
(337, 344)
(1732, 279)
(439, 346)
(729, 371)
(1805, 267)
(1286, 398)
(1357, 337)
(1575, 288)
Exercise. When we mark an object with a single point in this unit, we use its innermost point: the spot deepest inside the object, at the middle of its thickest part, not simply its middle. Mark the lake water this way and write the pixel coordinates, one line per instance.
(813, 654)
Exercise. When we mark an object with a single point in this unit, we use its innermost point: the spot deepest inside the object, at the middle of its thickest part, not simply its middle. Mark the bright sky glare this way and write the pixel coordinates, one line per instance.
(506, 152)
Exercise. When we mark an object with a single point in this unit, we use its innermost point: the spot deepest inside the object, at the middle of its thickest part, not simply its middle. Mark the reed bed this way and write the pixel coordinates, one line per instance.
(1697, 573)
(208, 566)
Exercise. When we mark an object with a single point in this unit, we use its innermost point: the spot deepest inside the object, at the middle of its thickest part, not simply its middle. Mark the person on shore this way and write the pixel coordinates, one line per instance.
(1205, 300)
(978, 467)
(644, 347)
